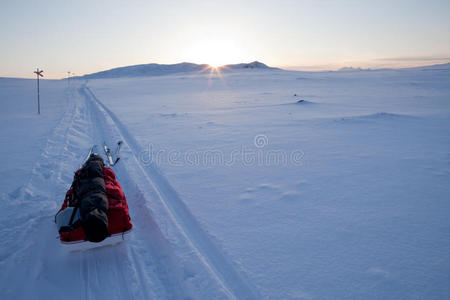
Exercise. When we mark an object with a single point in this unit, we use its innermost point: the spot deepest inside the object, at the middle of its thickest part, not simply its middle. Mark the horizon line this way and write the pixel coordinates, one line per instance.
(331, 67)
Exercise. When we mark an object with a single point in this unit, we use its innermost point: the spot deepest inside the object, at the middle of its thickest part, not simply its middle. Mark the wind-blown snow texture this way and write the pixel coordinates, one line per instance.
(236, 188)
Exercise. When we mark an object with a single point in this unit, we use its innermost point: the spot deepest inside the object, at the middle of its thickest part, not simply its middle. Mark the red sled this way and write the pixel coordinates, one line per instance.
(72, 233)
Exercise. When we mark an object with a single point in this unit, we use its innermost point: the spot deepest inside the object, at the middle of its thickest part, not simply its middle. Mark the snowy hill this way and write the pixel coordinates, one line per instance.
(352, 69)
(162, 69)
(421, 68)
(147, 70)
(252, 65)
(432, 67)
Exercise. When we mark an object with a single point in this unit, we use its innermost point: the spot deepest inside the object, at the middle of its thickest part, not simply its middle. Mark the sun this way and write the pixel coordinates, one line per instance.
(215, 66)
(214, 52)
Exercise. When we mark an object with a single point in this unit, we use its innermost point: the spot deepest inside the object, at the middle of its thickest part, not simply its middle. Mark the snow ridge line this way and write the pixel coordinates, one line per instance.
(219, 266)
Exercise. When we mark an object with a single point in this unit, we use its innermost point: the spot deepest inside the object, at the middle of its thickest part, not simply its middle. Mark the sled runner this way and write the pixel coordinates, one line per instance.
(95, 210)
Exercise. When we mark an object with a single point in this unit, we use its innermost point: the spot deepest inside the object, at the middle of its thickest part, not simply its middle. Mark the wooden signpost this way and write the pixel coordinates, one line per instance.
(38, 74)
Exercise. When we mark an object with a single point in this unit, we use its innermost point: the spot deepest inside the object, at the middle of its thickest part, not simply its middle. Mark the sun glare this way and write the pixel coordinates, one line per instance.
(214, 52)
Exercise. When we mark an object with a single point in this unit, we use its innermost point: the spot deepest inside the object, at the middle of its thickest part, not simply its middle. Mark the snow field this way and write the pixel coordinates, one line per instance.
(361, 212)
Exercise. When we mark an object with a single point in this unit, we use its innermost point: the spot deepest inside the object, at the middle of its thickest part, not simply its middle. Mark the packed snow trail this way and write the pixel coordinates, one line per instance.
(231, 282)
(146, 237)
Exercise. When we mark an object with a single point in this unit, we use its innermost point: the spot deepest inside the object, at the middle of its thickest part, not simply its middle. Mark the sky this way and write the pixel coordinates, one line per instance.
(89, 36)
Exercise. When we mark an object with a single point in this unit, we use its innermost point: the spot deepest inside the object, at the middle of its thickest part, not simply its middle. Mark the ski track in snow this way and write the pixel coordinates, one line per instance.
(45, 260)
(145, 233)
(232, 283)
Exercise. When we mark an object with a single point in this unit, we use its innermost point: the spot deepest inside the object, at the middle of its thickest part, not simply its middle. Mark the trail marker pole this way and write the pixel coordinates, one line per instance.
(38, 74)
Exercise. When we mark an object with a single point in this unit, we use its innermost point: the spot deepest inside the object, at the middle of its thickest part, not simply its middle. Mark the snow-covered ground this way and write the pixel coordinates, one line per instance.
(236, 189)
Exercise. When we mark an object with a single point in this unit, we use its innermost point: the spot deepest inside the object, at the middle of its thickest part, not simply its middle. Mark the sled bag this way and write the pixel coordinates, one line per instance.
(91, 192)
(96, 203)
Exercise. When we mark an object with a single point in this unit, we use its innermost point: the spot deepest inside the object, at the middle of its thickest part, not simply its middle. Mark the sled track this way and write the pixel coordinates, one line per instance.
(88, 268)
(36, 249)
(166, 283)
(221, 269)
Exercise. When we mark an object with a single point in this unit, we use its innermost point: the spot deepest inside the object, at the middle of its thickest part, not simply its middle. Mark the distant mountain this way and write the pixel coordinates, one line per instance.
(352, 69)
(160, 69)
(147, 70)
(252, 65)
(422, 68)
(432, 67)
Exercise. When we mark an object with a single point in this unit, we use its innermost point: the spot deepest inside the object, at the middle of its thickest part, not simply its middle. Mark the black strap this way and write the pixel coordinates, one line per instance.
(70, 228)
